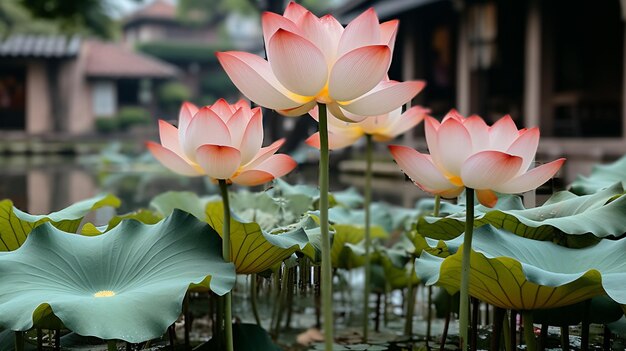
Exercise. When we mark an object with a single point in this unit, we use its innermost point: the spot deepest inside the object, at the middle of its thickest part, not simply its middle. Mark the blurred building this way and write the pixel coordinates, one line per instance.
(558, 65)
(57, 85)
(190, 45)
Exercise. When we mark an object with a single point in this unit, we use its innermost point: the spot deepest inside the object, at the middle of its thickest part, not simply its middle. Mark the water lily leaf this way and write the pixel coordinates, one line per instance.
(350, 198)
(602, 177)
(252, 249)
(513, 272)
(389, 273)
(126, 284)
(564, 212)
(343, 253)
(16, 225)
(187, 201)
(601, 309)
(267, 211)
(143, 216)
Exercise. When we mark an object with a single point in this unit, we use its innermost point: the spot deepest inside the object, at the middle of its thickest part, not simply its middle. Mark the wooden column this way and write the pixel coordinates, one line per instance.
(532, 81)
(463, 65)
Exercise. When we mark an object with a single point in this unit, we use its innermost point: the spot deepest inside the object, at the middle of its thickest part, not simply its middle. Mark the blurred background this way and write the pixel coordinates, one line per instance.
(83, 83)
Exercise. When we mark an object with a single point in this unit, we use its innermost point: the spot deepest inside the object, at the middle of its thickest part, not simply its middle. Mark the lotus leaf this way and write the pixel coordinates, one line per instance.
(183, 200)
(126, 284)
(563, 212)
(350, 230)
(143, 216)
(602, 177)
(252, 249)
(15, 225)
(510, 271)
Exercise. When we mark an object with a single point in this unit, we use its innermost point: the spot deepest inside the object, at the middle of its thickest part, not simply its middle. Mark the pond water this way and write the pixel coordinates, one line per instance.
(41, 184)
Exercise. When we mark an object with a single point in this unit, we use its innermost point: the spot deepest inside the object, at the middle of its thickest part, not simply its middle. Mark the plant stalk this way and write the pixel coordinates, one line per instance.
(253, 297)
(228, 314)
(369, 150)
(19, 341)
(410, 305)
(465, 269)
(112, 345)
(327, 278)
(529, 332)
(437, 205)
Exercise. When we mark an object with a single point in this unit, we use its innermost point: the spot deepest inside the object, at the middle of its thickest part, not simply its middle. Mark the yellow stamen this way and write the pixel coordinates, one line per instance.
(456, 180)
(104, 293)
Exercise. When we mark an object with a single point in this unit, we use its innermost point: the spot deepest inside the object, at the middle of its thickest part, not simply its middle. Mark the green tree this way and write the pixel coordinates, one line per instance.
(75, 16)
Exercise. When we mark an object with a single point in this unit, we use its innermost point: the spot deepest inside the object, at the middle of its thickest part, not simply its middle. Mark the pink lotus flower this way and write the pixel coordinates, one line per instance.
(382, 128)
(311, 60)
(465, 152)
(221, 141)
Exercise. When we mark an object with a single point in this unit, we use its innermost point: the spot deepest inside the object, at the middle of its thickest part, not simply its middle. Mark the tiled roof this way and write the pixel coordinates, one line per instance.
(158, 9)
(40, 45)
(116, 61)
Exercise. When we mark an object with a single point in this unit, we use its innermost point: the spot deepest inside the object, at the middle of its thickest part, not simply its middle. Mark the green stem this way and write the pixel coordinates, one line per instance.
(253, 296)
(112, 345)
(465, 268)
(19, 341)
(529, 331)
(410, 306)
(369, 150)
(228, 314)
(327, 278)
(437, 205)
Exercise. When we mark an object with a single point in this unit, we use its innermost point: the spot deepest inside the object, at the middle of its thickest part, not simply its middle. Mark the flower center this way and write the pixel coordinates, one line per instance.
(104, 293)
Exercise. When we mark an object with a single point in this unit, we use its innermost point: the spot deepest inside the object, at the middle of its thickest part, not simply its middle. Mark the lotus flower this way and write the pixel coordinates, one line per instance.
(465, 152)
(382, 128)
(311, 60)
(221, 141)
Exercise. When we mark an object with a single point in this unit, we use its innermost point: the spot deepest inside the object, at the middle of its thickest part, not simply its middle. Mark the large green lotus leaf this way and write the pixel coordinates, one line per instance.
(600, 309)
(252, 249)
(187, 201)
(15, 225)
(343, 252)
(380, 217)
(602, 177)
(510, 271)
(126, 284)
(396, 277)
(564, 212)
(269, 212)
(350, 198)
(143, 216)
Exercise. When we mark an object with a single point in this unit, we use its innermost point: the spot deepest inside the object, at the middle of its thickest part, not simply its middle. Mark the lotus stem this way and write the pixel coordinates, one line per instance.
(187, 318)
(437, 205)
(112, 345)
(327, 278)
(19, 341)
(369, 150)
(429, 314)
(228, 314)
(410, 306)
(465, 269)
(253, 297)
(529, 331)
(506, 332)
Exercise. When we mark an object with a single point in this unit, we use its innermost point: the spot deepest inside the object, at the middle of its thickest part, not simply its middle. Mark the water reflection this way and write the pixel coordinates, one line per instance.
(42, 184)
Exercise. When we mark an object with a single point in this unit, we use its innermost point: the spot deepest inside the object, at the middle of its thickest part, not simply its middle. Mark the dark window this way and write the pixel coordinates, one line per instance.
(12, 98)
